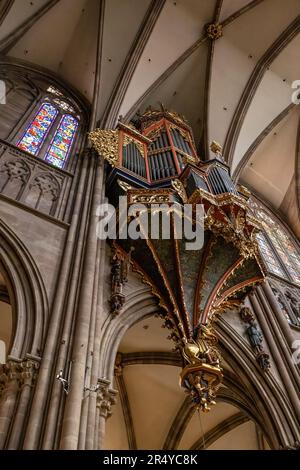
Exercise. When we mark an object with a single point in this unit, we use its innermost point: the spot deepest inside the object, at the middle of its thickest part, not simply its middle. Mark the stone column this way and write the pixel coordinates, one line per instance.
(91, 442)
(73, 407)
(281, 341)
(9, 383)
(28, 373)
(277, 311)
(45, 377)
(55, 393)
(289, 386)
(106, 397)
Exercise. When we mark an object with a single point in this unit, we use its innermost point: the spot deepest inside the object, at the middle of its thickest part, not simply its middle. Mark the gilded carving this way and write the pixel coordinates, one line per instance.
(128, 140)
(125, 186)
(202, 375)
(216, 148)
(180, 189)
(106, 143)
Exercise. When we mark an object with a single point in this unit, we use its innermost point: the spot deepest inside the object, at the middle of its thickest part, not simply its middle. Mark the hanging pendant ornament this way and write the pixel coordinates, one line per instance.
(202, 375)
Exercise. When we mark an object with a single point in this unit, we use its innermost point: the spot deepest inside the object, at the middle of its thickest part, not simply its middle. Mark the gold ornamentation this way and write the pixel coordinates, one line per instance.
(245, 191)
(145, 196)
(177, 117)
(107, 144)
(214, 31)
(188, 158)
(180, 189)
(148, 199)
(155, 133)
(232, 227)
(224, 307)
(202, 375)
(216, 148)
(184, 134)
(125, 186)
(128, 140)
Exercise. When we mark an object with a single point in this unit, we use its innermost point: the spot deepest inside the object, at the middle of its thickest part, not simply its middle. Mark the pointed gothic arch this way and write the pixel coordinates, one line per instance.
(253, 391)
(27, 294)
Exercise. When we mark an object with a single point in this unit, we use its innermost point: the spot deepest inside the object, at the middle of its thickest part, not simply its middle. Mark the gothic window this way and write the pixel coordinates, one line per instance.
(62, 141)
(277, 248)
(51, 133)
(38, 129)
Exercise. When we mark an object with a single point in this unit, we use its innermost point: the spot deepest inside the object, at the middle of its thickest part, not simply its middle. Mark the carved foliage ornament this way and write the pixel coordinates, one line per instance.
(131, 140)
(214, 31)
(15, 374)
(107, 144)
(180, 189)
(106, 397)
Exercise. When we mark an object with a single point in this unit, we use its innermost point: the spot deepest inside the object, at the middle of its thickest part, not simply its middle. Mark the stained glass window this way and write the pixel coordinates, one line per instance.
(38, 129)
(269, 257)
(62, 141)
(283, 245)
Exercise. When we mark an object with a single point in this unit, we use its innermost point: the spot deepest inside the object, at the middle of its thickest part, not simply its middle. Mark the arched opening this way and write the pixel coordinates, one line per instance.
(153, 412)
(23, 300)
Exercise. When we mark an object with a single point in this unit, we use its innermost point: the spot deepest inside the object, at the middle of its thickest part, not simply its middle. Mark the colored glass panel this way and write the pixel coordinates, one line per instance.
(38, 129)
(269, 257)
(283, 245)
(62, 141)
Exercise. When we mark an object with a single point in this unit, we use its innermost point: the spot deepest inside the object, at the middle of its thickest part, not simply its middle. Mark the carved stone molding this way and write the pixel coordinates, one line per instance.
(31, 181)
(106, 398)
(28, 372)
(16, 374)
(288, 298)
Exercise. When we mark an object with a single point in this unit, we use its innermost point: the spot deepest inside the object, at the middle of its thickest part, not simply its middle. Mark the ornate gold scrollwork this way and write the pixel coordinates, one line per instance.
(202, 375)
(232, 227)
(107, 144)
(128, 140)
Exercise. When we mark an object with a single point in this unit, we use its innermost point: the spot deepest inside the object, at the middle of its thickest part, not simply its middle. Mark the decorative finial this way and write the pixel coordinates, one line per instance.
(214, 31)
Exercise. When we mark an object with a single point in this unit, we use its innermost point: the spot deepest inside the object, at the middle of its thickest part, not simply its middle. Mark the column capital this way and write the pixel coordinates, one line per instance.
(28, 371)
(106, 398)
(16, 373)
